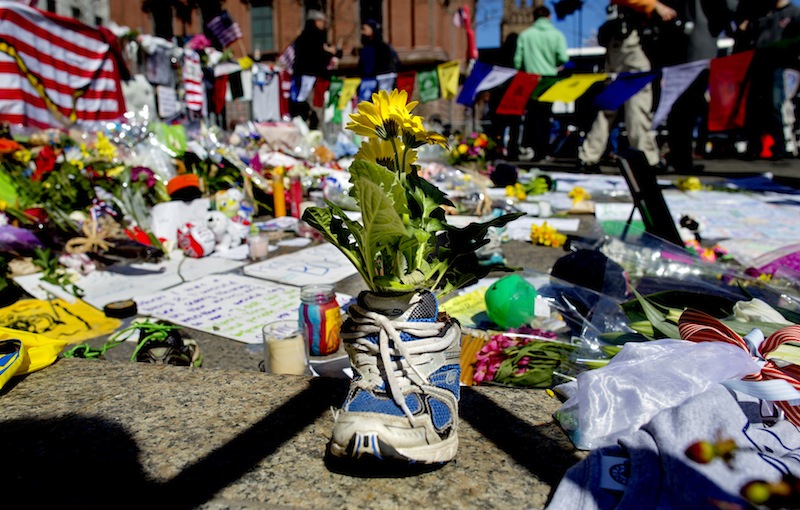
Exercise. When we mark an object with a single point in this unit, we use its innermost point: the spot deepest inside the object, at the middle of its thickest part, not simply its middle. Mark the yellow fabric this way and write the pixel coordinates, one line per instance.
(448, 78)
(571, 88)
(349, 89)
(39, 350)
(70, 322)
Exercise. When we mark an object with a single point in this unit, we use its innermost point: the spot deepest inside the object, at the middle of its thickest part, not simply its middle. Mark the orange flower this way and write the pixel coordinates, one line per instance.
(9, 146)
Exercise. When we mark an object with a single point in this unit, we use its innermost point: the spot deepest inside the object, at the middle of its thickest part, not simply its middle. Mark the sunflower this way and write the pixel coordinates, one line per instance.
(384, 117)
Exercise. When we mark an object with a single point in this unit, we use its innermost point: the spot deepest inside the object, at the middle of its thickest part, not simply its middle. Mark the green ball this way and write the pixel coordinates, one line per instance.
(510, 302)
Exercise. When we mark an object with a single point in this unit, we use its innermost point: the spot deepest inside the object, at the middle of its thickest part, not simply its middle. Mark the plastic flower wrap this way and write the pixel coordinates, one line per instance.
(521, 357)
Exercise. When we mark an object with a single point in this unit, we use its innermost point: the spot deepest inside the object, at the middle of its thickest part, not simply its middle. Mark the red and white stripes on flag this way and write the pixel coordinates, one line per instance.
(54, 71)
(225, 29)
(193, 81)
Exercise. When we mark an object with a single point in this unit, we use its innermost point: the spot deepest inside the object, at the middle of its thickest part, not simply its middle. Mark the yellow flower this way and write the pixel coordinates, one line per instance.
(105, 149)
(546, 235)
(377, 151)
(385, 117)
(23, 156)
(115, 171)
(462, 148)
(579, 194)
(414, 139)
(689, 184)
(510, 191)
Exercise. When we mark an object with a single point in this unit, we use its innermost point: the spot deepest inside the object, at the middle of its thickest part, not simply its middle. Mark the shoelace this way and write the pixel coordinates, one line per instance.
(367, 323)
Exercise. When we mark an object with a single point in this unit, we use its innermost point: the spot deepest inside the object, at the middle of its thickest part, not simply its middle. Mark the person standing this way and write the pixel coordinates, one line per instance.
(693, 38)
(624, 53)
(541, 49)
(376, 56)
(312, 58)
(775, 36)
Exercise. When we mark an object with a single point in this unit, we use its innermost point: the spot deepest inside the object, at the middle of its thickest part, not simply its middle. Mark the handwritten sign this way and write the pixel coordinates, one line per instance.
(231, 306)
(322, 264)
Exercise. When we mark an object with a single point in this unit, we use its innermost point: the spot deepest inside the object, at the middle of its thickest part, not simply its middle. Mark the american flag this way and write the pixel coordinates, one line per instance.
(225, 29)
(54, 71)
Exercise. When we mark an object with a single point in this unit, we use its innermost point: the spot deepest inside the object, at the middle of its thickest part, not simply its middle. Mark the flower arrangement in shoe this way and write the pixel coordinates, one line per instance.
(404, 242)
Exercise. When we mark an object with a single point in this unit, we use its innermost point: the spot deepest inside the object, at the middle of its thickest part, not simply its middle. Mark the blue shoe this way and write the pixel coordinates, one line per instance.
(403, 400)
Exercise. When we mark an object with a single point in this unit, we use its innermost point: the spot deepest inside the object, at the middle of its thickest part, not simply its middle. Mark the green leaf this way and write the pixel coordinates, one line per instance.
(656, 317)
(335, 232)
(366, 173)
(788, 352)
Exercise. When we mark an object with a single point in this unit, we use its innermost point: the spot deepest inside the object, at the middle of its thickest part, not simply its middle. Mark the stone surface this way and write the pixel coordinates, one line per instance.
(235, 439)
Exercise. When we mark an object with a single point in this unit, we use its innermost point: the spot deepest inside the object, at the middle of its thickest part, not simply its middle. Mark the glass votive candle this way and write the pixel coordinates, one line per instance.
(258, 246)
(285, 351)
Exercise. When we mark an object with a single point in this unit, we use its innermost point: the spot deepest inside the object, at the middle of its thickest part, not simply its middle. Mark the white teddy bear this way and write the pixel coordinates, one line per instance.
(226, 232)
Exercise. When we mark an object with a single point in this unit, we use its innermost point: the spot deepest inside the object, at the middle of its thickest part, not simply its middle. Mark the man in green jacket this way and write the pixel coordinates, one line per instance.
(542, 50)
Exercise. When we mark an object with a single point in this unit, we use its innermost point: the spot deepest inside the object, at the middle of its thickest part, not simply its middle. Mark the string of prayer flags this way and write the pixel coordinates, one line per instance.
(674, 82)
(448, 78)
(428, 85)
(624, 87)
(728, 89)
(518, 93)
(571, 88)
(483, 77)
(349, 89)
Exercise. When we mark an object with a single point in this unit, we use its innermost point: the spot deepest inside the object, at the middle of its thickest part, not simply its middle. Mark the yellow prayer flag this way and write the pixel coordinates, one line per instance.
(571, 88)
(448, 78)
(349, 89)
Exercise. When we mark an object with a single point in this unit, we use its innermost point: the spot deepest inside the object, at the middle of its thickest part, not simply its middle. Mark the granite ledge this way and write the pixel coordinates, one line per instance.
(90, 430)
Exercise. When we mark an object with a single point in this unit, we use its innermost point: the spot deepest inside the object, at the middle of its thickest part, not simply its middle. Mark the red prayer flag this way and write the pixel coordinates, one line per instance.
(405, 81)
(518, 94)
(320, 87)
(55, 71)
(728, 88)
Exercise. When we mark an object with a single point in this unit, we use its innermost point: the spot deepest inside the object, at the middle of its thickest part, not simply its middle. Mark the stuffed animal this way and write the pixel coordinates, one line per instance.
(226, 232)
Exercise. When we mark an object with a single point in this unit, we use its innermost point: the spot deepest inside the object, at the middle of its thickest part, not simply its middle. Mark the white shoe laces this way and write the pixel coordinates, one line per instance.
(390, 344)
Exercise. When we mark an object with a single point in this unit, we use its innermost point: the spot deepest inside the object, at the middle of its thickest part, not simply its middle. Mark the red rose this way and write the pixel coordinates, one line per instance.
(45, 162)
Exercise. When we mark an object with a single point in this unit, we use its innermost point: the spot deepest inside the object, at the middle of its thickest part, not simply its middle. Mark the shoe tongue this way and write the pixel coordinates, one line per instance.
(414, 306)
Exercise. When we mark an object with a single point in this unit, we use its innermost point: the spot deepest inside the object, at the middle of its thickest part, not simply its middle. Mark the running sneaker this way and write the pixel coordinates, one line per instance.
(403, 400)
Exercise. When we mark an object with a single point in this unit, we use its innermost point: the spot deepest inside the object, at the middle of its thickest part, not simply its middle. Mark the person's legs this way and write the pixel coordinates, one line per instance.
(682, 121)
(541, 126)
(775, 117)
(596, 140)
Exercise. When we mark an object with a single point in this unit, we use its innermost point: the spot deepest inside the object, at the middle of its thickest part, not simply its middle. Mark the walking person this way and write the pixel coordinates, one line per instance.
(624, 53)
(376, 56)
(541, 49)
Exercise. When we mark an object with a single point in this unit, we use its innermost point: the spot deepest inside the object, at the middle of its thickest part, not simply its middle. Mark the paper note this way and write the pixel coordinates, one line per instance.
(231, 306)
(322, 264)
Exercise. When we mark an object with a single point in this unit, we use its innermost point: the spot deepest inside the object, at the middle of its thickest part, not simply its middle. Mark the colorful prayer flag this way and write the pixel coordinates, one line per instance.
(728, 89)
(483, 77)
(405, 81)
(518, 93)
(55, 71)
(624, 87)
(448, 78)
(366, 88)
(386, 81)
(571, 88)
(320, 87)
(349, 89)
(428, 85)
(334, 90)
(674, 82)
(545, 82)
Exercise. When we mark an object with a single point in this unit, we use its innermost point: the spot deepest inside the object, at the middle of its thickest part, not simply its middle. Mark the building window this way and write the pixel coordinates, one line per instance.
(98, 21)
(51, 5)
(76, 13)
(261, 24)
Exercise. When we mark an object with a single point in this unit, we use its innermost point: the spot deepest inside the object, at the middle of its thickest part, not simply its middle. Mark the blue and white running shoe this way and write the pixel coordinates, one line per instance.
(403, 400)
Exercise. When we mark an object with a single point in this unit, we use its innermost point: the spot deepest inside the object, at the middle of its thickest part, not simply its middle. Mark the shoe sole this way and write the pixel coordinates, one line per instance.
(370, 445)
